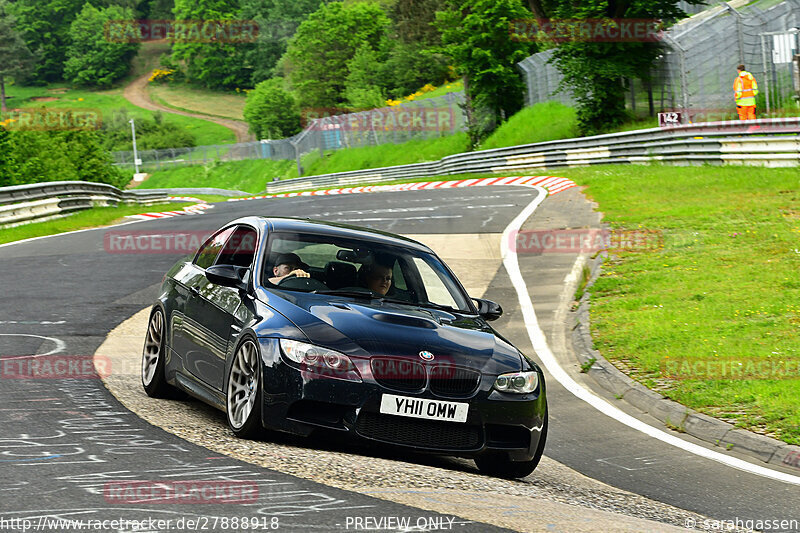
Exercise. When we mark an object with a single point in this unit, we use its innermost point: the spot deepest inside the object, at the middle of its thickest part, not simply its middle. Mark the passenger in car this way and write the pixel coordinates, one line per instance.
(287, 265)
(376, 275)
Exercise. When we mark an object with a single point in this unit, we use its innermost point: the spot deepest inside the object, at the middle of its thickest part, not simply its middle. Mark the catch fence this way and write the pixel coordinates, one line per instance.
(410, 120)
(696, 69)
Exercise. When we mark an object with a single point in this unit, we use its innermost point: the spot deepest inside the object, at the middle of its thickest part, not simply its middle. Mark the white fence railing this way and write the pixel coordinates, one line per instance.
(40, 201)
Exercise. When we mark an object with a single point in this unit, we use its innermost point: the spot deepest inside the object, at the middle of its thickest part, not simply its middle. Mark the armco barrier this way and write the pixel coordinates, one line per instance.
(39, 201)
(766, 142)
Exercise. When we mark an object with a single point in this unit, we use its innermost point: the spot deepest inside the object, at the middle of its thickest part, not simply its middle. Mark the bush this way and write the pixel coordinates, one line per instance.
(151, 134)
(37, 156)
(271, 111)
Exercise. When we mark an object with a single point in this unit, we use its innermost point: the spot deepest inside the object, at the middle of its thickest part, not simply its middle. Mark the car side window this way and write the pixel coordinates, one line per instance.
(210, 249)
(240, 248)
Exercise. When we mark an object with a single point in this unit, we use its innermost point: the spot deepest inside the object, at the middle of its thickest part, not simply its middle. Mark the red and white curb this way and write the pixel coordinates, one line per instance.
(196, 209)
(552, 184)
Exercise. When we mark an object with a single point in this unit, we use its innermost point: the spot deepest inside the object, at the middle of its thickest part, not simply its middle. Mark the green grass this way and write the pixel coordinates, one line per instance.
(251, 175)
(542, 122)
(724, 285)
(89, 218)
(384, 155)
(107, 101)
(196, 100)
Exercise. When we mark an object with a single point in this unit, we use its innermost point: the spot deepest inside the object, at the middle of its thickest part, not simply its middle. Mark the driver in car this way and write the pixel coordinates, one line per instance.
(287, 265)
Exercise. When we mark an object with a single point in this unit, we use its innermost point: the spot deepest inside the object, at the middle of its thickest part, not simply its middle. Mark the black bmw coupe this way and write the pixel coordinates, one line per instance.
(295, 325)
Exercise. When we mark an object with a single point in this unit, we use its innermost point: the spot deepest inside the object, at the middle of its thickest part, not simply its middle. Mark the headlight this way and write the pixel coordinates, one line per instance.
(517, 382)
(319, 360)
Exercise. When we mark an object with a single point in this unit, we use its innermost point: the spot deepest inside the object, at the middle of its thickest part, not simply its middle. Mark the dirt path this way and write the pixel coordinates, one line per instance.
(136, 93)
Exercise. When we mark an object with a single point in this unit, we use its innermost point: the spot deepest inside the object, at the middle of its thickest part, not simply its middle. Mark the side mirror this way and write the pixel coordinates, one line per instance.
(232, 276)
(488, 309)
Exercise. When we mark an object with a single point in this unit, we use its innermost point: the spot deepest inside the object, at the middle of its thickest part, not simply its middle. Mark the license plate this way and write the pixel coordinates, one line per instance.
(424, 408)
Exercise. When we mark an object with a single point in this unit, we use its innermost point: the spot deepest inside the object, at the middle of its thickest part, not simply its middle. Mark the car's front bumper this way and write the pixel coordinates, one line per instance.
(299, 402)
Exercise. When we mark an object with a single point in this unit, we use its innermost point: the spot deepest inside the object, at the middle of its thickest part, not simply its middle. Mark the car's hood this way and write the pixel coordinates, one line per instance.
(377, 329)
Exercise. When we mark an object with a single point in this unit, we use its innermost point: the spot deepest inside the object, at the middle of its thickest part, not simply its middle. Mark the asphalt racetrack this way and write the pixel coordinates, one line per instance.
(64, 441)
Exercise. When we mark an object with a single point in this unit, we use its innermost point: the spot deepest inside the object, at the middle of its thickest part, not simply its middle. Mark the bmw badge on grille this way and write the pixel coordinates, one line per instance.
(426, 355)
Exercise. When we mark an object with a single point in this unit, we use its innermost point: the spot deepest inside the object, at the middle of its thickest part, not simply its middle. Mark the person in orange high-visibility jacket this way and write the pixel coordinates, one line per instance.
(745, 89)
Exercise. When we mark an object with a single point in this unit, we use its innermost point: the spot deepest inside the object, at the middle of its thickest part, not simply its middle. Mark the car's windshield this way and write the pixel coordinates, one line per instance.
(360, 269)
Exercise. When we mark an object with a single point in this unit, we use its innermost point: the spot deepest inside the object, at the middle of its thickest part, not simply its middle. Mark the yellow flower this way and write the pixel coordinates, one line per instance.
(80, 99)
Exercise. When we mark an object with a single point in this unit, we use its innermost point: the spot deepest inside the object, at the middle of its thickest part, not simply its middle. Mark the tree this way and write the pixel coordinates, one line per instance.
(409, 66)
(317, 55)
(92, 59)
(157, 9)
(271, 111)
(414, 21)
(217, 64)
(362, 89)
(594, 71)
(15, 58)
(277, 21)
(44, 26)
(476, 36)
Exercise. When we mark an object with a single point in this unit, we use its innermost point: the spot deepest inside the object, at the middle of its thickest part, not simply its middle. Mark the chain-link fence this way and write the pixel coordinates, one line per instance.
(420, 119)
(695, 73)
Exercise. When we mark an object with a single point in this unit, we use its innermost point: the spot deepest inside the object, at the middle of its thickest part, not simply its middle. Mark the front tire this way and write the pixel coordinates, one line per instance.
(153, 357)
(243, 391)
(499, 465)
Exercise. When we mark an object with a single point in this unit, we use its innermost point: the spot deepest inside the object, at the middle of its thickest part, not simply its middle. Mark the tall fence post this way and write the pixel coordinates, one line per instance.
(739, 30)
(296, 147)
(766, 72)
(682, 63)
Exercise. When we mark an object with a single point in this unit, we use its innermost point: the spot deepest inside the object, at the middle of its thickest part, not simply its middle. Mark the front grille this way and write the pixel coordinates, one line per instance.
(447, 380)
(399, 374)
(421, 433)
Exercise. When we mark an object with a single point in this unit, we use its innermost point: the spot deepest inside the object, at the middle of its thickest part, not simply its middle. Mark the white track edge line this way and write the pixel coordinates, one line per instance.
(539, 342)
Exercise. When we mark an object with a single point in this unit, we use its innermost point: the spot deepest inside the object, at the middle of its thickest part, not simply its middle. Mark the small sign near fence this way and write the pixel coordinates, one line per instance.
(670, 119)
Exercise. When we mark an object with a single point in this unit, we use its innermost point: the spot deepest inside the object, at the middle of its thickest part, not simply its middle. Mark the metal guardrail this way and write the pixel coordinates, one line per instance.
(40, 201)
(767, 142)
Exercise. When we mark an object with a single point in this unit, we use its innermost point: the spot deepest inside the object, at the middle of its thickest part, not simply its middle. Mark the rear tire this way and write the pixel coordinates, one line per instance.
(499, 465)
(243, 391)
